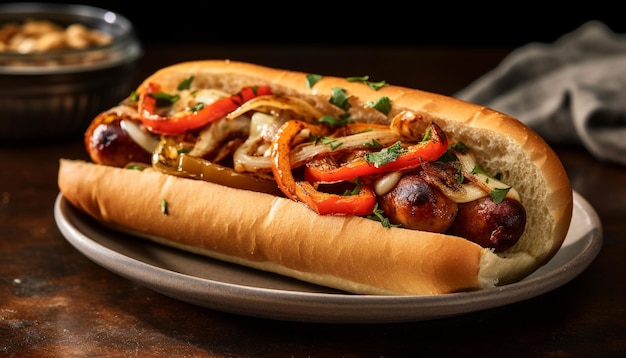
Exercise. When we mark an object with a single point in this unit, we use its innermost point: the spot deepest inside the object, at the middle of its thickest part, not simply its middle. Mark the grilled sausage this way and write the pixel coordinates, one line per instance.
(415, 204)
(489, 224)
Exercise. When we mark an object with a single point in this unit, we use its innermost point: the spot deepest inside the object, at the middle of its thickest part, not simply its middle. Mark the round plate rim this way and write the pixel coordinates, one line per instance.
(329, 307)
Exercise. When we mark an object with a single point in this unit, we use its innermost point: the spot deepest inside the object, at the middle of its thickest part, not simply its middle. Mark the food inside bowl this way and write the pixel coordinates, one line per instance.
(38, 35)
(41, 36)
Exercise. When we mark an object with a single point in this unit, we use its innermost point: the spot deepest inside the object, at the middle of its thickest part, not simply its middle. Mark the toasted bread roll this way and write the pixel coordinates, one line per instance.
(350, 253)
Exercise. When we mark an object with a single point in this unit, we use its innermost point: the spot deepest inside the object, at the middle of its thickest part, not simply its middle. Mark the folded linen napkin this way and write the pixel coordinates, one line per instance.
(571, 91)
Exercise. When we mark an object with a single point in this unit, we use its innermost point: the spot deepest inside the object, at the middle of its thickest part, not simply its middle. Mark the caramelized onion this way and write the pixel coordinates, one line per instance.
(483, 181)
(302, 153)
(139, 135)
(409, 125)
(271, 103)
(211, 137)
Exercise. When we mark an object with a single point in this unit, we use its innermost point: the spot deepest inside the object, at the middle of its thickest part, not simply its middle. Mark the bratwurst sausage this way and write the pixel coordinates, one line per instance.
(415, 204)
(489, 224)
(108, 143)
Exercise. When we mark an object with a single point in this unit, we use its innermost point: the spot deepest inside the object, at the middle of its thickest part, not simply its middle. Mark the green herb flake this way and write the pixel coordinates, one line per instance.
(427, 135)
(336, 145)
(447, 157)
(499, 194)
(336, 122)
(312, 79)
(133, 97)
(197, 107)
(478, 170)
(355, 191)
(164, 208)
(185, 84)
(315, 138)
(163, 99)
(340, 99)
(374, 144)
(361, 79)
(379, 215)
(382, 105)
(365, 80)
(460, 178)
(459, 147)
(135, 167)
(376, 85)
(332, 142)
(453, 149)
(386, 155)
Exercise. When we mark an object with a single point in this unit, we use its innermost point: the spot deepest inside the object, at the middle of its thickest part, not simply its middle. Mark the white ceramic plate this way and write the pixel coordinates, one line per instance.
(230, 288)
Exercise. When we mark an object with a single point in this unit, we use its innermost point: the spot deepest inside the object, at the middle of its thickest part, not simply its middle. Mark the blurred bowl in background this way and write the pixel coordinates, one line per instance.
(53, 92)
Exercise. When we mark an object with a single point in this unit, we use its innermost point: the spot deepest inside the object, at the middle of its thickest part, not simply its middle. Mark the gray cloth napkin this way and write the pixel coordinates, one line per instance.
(570, 91)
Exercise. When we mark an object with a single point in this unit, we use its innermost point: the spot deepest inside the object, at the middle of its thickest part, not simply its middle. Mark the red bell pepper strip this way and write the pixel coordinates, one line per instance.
(279, 154)
(188, 120)
(410, 158)
(333, 204)
(320, 202)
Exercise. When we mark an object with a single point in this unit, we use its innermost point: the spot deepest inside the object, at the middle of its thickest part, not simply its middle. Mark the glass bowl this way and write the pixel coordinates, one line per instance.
(54, 94)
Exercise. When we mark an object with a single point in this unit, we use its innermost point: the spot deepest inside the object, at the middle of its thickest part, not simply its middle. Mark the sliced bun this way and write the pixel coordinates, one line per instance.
(349, 253)
(272, 233)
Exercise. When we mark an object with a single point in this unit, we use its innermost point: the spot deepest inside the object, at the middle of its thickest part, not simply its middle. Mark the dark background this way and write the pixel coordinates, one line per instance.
(501, 24)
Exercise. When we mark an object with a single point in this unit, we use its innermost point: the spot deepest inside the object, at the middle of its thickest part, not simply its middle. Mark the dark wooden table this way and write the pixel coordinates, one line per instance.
(54, 302)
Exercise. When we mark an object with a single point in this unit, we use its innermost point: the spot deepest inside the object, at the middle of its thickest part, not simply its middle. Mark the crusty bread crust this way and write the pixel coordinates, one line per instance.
(348, 253)
(272, 233)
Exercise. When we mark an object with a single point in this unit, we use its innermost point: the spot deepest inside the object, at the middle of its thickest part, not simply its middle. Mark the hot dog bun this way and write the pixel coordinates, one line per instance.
(349, 253)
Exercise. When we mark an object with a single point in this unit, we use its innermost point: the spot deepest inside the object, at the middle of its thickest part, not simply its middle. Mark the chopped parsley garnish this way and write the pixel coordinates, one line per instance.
(185, 84)
(340, 99)
(426, 136)
(382, 105)
(135, 167)
(386, 155)
(499, 194)
(336, 122)
(459, 147)
(164, 208)
(460, 178)
(450, 156)
(478, 170)
(355, 191)
(365, 80)
(374, 144)
(361, 79)
(332, 142)
(311, 79)
(379, 215)
(163, 99)
(134, 97)
(197, 107)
